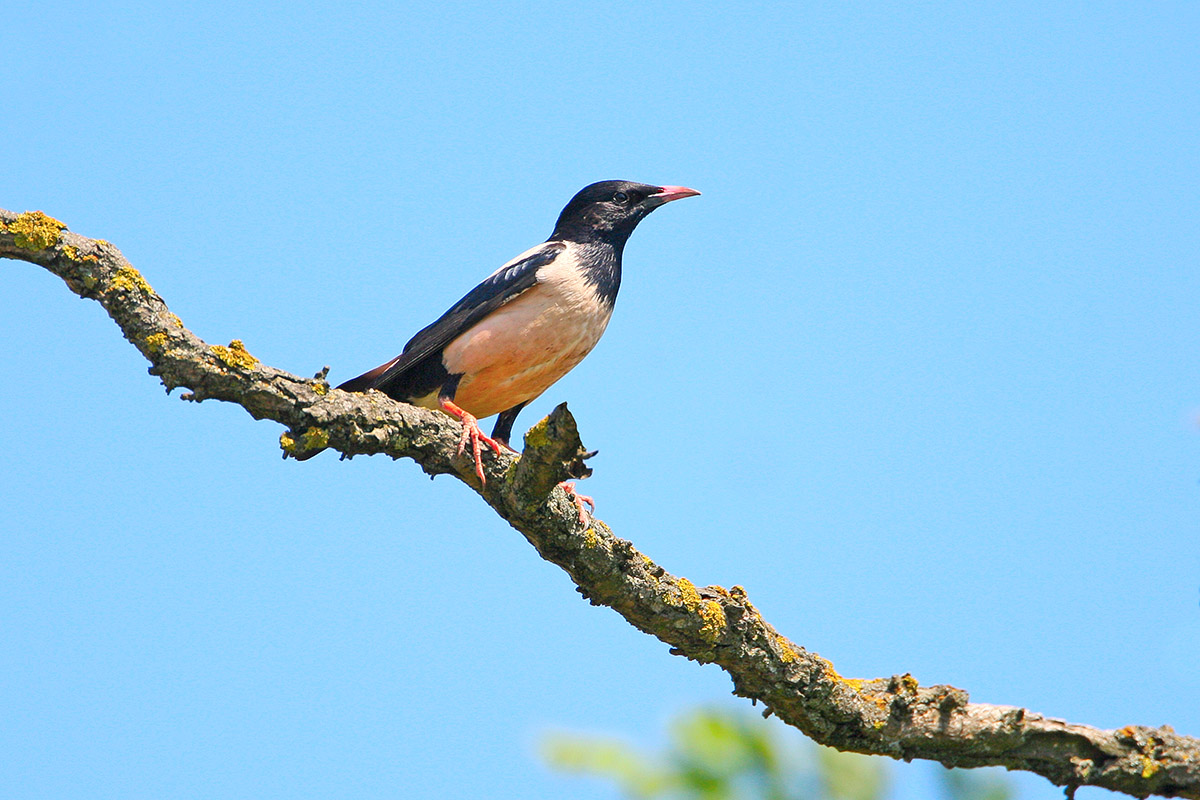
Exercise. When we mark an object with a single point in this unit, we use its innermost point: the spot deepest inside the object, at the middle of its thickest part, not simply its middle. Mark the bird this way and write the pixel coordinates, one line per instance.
(527, 324)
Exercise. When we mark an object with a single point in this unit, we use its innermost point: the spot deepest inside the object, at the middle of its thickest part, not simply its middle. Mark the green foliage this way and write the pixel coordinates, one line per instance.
(723, 755)
(717, 755)
(849, 776)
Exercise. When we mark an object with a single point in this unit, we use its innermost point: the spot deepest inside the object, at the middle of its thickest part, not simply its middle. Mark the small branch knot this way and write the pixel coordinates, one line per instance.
(553, 453)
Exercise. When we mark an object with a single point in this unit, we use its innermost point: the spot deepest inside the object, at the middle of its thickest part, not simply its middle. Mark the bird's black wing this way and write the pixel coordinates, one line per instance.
(496, 290)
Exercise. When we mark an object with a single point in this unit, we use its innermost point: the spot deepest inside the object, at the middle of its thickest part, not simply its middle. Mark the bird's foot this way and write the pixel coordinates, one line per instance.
(471, 432)
(578, 499)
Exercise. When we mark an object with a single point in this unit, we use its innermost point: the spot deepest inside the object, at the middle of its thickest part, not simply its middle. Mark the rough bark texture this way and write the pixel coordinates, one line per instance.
(886, 716)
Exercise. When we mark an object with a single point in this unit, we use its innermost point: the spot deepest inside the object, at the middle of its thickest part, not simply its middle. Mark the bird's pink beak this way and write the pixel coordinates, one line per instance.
(666, 194)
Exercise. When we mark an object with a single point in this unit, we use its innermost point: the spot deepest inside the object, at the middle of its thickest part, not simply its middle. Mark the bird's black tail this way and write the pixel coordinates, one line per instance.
(368, 380)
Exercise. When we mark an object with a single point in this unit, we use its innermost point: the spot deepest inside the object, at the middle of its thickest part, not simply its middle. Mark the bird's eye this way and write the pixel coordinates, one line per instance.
(620, 198)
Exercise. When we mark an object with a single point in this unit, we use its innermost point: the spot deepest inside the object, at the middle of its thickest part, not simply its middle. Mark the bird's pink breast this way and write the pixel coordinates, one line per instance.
(518, 351)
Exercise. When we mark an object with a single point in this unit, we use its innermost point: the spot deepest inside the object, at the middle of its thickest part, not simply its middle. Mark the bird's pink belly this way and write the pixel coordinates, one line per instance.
(519, 351)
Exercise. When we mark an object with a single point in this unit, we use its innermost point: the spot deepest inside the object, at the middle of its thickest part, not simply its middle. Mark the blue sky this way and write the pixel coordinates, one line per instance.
(919, 370)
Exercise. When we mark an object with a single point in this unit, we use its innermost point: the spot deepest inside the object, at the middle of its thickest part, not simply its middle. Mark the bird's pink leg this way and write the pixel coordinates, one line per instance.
(579, 500)
(470, 431)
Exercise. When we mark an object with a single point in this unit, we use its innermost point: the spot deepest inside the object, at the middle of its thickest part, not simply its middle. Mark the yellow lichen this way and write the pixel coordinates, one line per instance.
(714, 620)
(235, 355)
(1149, 766)
(787, 651)
(590, 539)
(35, 231)
(175, 318)
(129, 279)
(709, 611)
(70, 252)
(538, 435)
(320, 388)
(314, 439)
(880, 701)
(156, 342)
(859, 685)
(689, 597)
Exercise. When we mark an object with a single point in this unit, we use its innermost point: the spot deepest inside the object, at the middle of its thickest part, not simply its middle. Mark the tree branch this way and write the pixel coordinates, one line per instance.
(886, 716)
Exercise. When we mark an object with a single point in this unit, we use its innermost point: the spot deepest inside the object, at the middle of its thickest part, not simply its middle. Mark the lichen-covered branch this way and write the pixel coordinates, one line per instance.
(886, 716)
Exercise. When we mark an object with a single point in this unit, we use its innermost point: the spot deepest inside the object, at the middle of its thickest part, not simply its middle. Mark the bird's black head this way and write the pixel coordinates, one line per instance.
(610, 210)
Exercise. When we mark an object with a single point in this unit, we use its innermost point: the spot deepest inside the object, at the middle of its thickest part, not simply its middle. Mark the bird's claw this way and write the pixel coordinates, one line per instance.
(472, 433)
(579, 500)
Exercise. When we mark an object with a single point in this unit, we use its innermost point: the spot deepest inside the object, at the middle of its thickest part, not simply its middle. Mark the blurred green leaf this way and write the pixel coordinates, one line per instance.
(617, 761)
(726, 755)
(850, 776)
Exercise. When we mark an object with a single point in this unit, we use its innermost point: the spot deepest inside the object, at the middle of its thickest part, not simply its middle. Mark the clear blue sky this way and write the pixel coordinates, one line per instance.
(921, 370)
